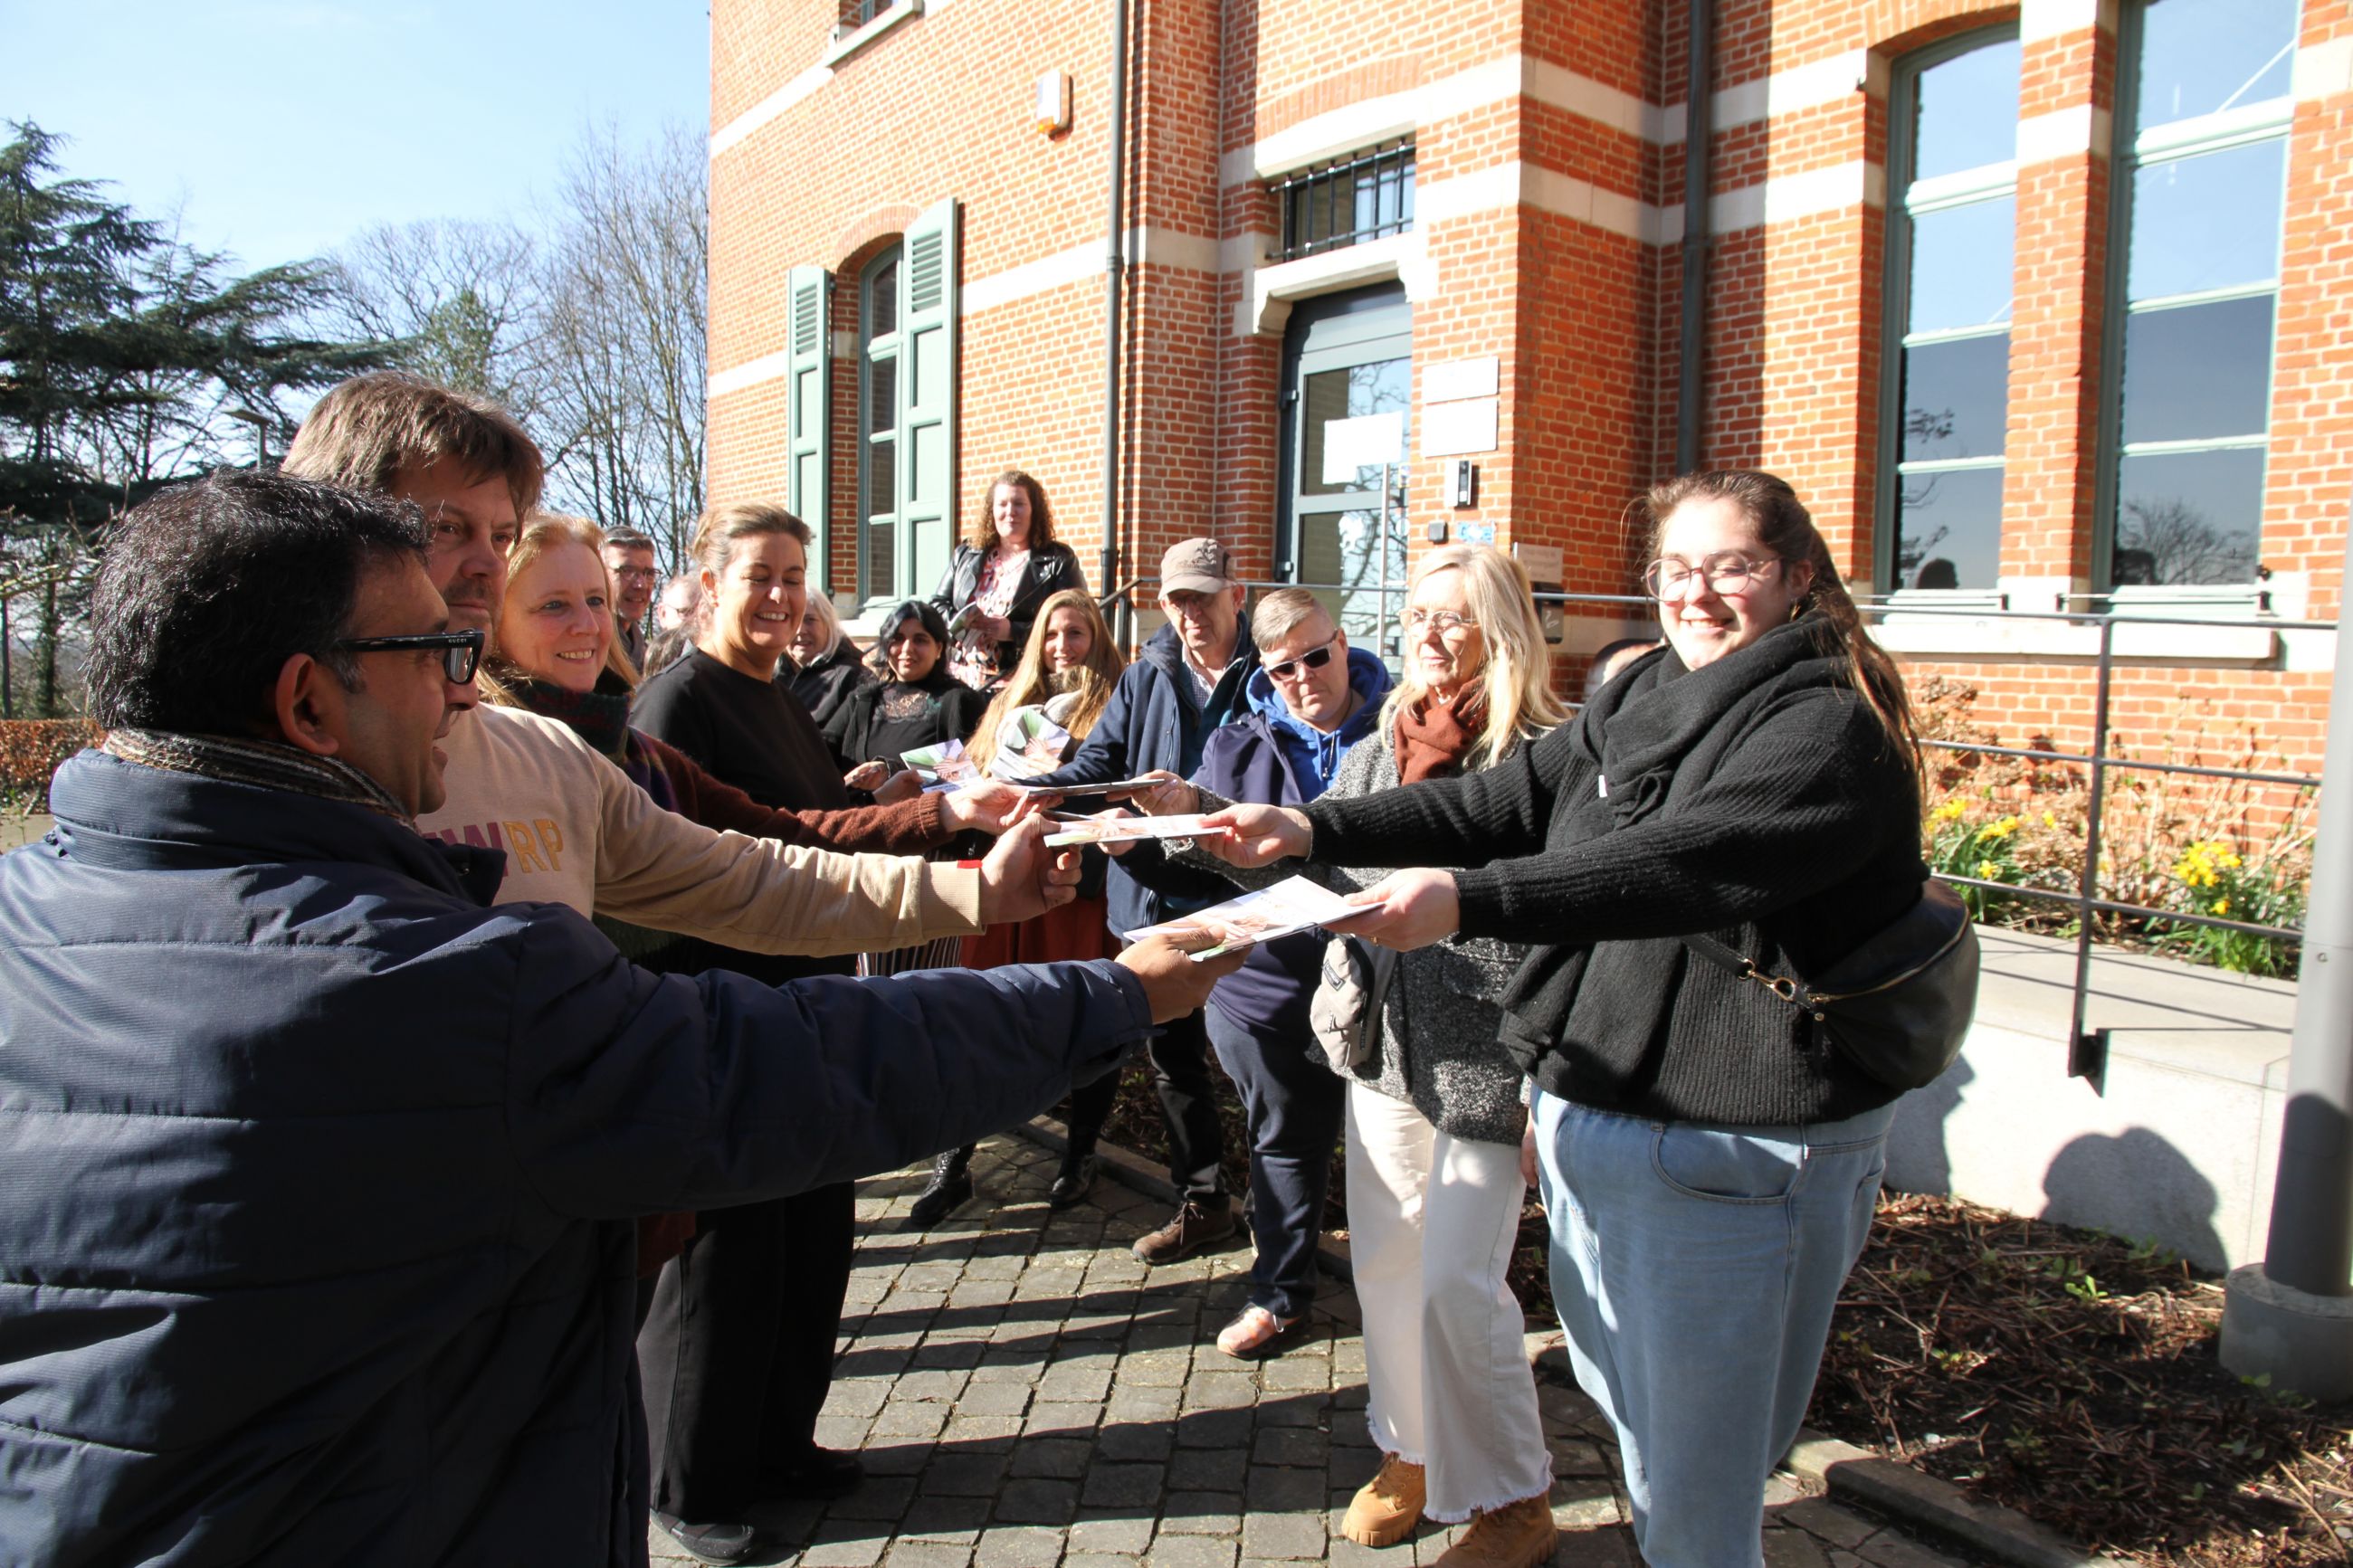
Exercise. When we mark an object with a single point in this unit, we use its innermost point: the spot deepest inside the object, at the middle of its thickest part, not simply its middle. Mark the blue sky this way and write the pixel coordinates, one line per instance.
(281, 128)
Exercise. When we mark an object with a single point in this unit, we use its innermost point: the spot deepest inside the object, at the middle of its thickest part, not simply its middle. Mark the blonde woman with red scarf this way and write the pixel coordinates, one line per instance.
(1436, 1113)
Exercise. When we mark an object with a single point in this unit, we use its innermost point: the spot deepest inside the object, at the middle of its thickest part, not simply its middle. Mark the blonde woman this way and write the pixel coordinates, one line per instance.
(826, 666)
(1435, 1115)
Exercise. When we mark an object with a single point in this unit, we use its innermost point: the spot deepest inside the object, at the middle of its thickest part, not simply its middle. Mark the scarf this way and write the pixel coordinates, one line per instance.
(264, 764)
(1432, 737)
(601, 718)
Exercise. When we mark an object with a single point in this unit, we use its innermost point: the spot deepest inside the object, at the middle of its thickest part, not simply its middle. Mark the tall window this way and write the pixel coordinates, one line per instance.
(1953, 157)
(878, 425)
(1367, 197)
(2199, 192)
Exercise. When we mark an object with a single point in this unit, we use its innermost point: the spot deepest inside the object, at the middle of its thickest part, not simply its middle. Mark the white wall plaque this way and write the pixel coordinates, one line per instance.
(1459, 429)
(1452, 379)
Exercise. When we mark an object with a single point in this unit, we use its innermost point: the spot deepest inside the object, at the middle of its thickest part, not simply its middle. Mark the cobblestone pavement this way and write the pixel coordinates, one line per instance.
(1026, 1394)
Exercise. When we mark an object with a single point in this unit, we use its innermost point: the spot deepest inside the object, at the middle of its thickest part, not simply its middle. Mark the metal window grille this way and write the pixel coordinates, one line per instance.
(856, 14)
(1348, 202)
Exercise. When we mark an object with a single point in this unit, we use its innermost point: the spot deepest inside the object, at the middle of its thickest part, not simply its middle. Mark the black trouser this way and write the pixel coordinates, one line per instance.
(738, 1354)
(1089, 1109)
(1189, 1103)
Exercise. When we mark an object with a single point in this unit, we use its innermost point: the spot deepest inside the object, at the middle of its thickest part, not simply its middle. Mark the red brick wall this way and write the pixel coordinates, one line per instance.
(1582, 317)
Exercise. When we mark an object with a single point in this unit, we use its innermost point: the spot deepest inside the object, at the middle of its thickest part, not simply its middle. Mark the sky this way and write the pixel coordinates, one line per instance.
(278, 129)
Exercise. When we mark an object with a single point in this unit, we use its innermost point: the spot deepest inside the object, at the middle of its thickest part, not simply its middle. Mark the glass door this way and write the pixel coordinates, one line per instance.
(1348, 428)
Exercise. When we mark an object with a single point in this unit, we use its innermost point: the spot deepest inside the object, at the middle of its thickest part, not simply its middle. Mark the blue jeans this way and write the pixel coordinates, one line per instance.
(1295, 1105)
(1695, 1268)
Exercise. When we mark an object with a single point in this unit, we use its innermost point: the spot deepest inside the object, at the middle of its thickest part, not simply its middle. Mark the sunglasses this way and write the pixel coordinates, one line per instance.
(460, 651)
(1316, 659)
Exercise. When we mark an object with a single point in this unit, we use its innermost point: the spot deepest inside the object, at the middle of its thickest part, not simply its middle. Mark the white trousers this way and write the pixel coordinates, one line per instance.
(1432, 1223)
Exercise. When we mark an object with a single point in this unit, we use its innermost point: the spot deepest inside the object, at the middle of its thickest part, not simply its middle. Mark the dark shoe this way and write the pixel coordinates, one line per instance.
(1193, 1229)
(822, 1473)
(951, 1186)
(1073, 1183)
(717, 1543)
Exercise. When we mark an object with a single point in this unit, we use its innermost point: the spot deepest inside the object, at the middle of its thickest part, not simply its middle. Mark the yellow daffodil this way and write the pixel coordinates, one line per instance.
(1988, 871)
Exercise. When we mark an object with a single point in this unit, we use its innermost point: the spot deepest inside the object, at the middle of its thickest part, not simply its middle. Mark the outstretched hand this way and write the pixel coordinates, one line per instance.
(1418, 908)
(1022, 878)
(1172, 983)
(1168, 797)
(1261, 835)
(991, 806)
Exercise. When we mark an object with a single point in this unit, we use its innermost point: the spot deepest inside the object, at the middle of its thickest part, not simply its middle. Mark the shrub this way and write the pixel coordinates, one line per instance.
(30, 751)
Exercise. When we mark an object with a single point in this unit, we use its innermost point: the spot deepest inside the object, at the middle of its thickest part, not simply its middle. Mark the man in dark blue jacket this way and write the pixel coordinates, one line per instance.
(1311, 698)
(1184, 682)
(317, 1175)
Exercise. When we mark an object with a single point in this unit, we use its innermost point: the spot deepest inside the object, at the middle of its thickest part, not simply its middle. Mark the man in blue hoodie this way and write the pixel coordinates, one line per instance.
(1311, 698)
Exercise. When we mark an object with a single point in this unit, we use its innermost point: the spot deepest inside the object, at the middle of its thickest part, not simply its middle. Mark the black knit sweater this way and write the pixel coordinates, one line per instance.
(1756, 799)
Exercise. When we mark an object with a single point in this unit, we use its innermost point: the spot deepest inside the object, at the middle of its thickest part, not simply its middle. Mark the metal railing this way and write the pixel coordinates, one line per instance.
(2087, 1047)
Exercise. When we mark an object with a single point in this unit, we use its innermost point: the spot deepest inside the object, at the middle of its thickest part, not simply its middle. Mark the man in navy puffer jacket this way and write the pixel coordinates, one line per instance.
(1311, 698)
(316, 1173)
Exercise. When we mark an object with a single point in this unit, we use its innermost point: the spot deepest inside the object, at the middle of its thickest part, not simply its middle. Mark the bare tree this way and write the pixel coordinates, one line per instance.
(2170, 541)
(461, 302)
(623, 334)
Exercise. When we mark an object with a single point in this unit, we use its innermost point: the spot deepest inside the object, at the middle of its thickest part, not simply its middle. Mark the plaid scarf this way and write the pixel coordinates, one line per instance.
(265, 764)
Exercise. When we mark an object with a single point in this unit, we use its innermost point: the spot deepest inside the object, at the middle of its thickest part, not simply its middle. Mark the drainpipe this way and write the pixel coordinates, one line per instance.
(1697, 166)
(1114, 278)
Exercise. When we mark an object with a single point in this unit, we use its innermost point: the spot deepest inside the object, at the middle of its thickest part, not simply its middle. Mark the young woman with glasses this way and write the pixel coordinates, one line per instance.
(1708, 1171)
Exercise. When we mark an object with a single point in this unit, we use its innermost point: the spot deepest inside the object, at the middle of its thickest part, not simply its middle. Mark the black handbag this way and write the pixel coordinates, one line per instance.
(1899, 1005)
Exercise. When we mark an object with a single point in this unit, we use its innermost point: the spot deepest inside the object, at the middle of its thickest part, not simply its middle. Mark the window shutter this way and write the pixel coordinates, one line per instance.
(810, 416)
(927, 388)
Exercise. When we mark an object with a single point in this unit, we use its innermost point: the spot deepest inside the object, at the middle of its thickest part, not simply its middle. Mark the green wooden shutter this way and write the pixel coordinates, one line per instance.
(810, 416)
(927, 390)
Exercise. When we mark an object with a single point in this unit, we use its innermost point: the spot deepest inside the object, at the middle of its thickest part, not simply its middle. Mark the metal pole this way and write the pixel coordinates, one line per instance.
(1115, 278)
(1692, 357)
(2083, 1059)
(2291, 1316)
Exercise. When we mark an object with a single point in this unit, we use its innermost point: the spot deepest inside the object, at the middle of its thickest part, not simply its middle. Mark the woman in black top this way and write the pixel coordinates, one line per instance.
(916, 704)
(737, 1355)
(825, 667)
(1708, 1169)
(1008, 564)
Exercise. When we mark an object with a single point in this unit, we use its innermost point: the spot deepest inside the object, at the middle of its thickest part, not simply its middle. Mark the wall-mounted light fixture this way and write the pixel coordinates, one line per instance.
(1053, 103)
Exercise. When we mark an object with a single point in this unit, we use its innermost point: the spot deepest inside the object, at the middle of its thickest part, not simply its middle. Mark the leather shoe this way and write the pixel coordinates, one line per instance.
(1073, 1183)
(823, 1473)
(1192, 1229)
(714, 1542)
(950, 1187)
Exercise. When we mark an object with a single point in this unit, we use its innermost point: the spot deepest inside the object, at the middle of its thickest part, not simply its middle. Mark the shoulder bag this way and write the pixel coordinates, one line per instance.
(1345, 1011)
(1897, 1007)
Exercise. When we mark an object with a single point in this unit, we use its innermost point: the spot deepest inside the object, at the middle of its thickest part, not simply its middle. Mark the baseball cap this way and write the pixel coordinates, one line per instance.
(1199, 565)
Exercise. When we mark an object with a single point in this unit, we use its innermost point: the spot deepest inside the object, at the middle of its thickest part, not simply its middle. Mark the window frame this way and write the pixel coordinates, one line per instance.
(1944, 192)
(1398, 152)
(889, 345)
(2264, 121)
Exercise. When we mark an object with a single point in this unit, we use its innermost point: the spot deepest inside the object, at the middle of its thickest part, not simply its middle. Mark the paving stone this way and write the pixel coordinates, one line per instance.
(1154, 1405)
(1074, 1385)
(1136, 1441)
(846, 1545)
(1018, 1547)
(1298, 1446)
(1036, 1499)
(1780, 1488)
(1220, 1391)
(1825, 1520)
(1190, 1552)
(1787, 1548)
(1123, 1486)
(995, 1434)
(1609, 1548)
(965, 1475)
(926, 1386)
(1056, 1459)
(1297, 1407)
(1120, 1531)
(1207, 1469)
(927, 1554)
(895, 1458)
(937, 1354)
(1201, 1513)
(1892, 1549)
(1279, 1490)
(879, 1498)
(1006, 1398)
(1214, 1429)
(908, 1419)
(1584, 1502)
(1053, 1417)
(1296, 1372)
(1099, 1560)
(844, 1431)
(948, 1519)
(1577, 1457)
(1285, 1536)
(856, 1396)
(1156, 1369)
(1346, 1553)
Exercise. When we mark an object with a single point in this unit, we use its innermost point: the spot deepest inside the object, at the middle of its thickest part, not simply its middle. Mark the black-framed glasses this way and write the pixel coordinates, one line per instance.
(1725, 572)
(460, 651)
(1313, 658)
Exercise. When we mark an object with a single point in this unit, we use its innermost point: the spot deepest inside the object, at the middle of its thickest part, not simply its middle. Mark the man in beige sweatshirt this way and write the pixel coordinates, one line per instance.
(576, 830)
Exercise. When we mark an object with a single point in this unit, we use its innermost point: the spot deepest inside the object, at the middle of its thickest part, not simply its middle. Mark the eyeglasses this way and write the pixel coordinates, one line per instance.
(636, 573)
(1725, 572)
(1445, 621)
(1313, 658)
(460, 651)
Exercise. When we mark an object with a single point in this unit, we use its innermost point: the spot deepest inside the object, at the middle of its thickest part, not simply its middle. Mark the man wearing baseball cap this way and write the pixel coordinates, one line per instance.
(1188, 680)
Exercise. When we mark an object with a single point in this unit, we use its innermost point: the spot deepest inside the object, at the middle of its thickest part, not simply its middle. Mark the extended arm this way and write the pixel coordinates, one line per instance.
(908, 828)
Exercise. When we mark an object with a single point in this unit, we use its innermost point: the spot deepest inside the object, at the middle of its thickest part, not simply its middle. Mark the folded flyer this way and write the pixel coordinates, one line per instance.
(1097, 791)
(1293, 904)
(1128, 830)
(943, 764)
(1037, 742)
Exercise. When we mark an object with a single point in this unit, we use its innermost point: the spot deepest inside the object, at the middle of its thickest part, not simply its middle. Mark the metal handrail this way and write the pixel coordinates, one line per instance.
(2087, 1049)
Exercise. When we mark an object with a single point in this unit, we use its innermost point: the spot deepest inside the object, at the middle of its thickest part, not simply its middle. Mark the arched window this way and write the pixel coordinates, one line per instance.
(1952, 226)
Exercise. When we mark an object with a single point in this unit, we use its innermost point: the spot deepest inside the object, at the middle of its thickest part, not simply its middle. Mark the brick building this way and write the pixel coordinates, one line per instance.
(2040, 305)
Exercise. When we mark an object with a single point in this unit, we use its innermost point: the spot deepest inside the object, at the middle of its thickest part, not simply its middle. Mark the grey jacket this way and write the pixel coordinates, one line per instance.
(1439, 1050)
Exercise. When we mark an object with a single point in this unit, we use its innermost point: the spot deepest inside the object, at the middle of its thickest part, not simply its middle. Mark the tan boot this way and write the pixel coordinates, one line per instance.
(1516, 1536)
(1386, 1507)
